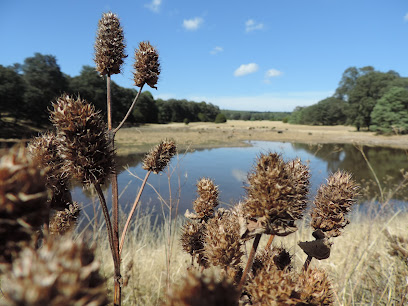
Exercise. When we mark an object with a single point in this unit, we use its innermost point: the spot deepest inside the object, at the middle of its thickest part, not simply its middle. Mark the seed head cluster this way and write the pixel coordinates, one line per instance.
(147, 66)
(207, 199)
(109, 45)
(275, 258)
(203, 290)
(314, 288)
(159, 157)
(61, 272)
(64, 221)
(23, 201)
(332, 202)
(277, 194)
(85, 147)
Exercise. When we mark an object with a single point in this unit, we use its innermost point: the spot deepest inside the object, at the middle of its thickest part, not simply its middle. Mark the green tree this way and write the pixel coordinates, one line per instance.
(349, 80)
(11, 92)
(391, 112)
(44, 82)
(220, 118)
(145, 110)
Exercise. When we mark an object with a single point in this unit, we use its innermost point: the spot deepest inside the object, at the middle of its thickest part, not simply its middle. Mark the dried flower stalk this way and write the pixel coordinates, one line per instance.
(147, 66)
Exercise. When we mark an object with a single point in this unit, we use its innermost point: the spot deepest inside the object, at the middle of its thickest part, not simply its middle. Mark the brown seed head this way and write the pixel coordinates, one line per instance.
(109, 45)
(201, 290)
(64, 221)
(222, 244)
(159, 157)
(207, 199)
(61, 272)
(44, 151)
(276, 258)
(84, 143)
(192, 241)
(277, 194)
(23, 201)
(147, 66)
(314, 288)
(332, 202)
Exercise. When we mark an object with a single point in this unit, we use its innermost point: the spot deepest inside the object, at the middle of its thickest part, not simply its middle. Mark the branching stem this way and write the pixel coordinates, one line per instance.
(249, 262)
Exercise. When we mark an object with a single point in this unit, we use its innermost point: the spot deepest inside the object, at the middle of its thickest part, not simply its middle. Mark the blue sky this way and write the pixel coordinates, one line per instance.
(268, 55)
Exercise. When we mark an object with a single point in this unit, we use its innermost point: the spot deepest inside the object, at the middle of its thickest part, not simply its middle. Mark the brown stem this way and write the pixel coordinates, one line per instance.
(108, 101)
(116, 260)
(268, 245)
(122, 238)
(129, 111)
(307, 263)
(249, 262)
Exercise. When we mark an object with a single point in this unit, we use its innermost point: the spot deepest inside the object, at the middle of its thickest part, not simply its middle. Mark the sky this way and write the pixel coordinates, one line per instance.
(259, 55)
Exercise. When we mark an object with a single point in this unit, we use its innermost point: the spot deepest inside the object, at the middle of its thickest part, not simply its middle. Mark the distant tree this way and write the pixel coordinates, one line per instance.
(391, 112)
(145, 110)
(11, 92)
(44, 82)
(349, 79)
(220, 118)
(164, 111)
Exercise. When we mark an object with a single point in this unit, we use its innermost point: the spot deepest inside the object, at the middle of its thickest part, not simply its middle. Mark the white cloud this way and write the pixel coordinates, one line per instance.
(246, 69)
(154, 5)
(192, 24)
(251, 25)
(406, 17)
(216, 50)
(271, 73)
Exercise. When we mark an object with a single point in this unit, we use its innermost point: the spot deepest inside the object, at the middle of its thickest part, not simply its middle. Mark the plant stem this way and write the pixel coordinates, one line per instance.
(115, 255)
(268, 245)
(108, 101)
(129, 111)
(307, 263)
(249, 262)
(122, 238)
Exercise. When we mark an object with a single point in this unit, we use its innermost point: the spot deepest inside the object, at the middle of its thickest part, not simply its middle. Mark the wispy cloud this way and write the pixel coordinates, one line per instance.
(154, 5)
(192, 24)
(271, 73)
(245, 69)
(216, 50)
(406, 17)
(251, 25)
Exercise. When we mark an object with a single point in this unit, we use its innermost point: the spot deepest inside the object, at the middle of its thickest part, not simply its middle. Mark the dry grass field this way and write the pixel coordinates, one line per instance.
(235, 132)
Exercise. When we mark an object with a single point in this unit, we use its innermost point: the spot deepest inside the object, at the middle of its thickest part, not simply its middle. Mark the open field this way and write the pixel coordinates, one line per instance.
(235, 132)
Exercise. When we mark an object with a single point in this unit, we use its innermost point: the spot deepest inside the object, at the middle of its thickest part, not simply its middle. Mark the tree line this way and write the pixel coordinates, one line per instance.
(365, 98)
(27, 90)
(252, 115)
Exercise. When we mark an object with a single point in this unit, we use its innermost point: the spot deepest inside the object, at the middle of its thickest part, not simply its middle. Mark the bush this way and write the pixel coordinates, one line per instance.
(220, 118)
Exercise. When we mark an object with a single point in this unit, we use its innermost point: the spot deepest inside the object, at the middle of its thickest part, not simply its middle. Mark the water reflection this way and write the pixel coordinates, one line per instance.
(228, 167)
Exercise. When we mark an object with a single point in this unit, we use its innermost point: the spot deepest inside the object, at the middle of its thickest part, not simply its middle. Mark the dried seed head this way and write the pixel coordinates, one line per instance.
(276, 195)
(23, 201)
(61, 272)
(159, 157)
(109, 45)
(64, 221)
(207, 199)
(314, 288)
(276, 258)
(203, 290)
(272, 287)
(222, 244)
(192, 237)
(147, 66)
(332, 202)
(44, 151)
(84, 143)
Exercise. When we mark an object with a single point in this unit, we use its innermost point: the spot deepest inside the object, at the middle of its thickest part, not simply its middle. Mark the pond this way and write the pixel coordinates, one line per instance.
(228, 167)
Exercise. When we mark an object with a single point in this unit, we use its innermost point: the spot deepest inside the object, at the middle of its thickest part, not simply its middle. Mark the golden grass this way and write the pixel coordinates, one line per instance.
(360, 267)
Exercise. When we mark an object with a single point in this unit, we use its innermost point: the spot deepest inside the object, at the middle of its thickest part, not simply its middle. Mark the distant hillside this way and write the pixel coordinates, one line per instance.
(251, 115)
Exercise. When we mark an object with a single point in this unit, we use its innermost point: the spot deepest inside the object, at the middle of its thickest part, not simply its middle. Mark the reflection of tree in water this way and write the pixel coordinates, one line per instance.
(386, 162)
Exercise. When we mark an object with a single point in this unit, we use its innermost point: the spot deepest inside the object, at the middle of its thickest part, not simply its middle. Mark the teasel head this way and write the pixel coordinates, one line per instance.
(44, 152)
(276, 195)
(62, 272)
(64, 221)
(109, 45)
(207, 199)
(159, 157)
(222, 244)
(314, 288)
(332, 202)
(275, 258)
(84, 143)
(147, 66)
(272, 287)
(23, 201)
(199, 289)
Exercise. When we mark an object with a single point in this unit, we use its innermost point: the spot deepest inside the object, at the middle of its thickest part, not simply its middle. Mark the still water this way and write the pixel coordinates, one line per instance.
(228, 167)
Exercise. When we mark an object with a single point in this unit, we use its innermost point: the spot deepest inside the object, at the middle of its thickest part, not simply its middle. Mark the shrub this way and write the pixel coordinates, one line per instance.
(220, 118)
